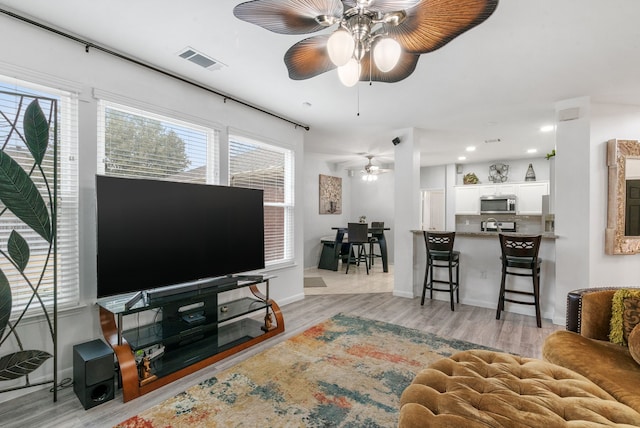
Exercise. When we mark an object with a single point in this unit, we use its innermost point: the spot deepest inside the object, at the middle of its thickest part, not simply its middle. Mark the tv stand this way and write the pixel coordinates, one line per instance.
(196, 330)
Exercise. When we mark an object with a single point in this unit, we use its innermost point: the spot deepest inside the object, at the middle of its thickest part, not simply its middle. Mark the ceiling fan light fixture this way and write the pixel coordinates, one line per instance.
(419, 26)
(386, 54)
(349, 73)
(369, 177)
(340, 47)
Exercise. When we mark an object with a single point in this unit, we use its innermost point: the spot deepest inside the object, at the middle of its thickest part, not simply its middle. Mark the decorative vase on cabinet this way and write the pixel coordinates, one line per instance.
(531, 175)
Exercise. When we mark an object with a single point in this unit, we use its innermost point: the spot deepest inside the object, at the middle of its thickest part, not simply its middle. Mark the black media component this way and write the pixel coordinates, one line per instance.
(396, 141)
(153, 233)
(93, 373)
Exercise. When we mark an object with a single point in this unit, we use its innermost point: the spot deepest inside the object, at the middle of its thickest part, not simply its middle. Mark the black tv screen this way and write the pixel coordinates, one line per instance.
(153, 233)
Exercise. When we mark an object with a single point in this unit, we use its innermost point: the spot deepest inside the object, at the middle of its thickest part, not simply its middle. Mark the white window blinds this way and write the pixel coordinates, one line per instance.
(263, 166)
(137, 143)
(38, 274)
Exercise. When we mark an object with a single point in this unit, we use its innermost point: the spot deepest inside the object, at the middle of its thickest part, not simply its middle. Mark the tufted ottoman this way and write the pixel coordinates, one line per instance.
(492, 389)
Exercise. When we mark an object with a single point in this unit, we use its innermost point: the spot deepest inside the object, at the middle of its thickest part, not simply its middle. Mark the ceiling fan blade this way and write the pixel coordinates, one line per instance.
(288, 16)
(308, 58)
(406, 65)
(432, 24)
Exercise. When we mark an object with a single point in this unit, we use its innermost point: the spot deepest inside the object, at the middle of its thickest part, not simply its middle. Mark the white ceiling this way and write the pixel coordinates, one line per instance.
(498, 80)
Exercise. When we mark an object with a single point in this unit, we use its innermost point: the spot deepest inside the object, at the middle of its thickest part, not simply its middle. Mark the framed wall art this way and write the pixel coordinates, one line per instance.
(330, 194)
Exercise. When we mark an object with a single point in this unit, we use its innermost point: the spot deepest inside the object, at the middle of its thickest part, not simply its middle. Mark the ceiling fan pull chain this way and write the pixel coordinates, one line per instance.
(358, 94)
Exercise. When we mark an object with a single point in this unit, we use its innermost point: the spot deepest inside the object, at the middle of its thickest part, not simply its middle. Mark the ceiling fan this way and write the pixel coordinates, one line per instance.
(393, 32)
(370, 171)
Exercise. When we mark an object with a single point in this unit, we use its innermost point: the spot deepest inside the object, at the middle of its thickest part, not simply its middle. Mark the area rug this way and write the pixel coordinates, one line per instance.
(314, 281)
(345, 372)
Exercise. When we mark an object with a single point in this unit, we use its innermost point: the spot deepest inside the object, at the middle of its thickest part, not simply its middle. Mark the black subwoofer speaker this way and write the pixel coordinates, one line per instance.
(93, 373)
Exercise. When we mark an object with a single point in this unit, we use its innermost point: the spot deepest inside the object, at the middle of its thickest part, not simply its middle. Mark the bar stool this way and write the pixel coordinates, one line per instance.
(440, 254)
(521, 253)
(358, 236)
(377, 228)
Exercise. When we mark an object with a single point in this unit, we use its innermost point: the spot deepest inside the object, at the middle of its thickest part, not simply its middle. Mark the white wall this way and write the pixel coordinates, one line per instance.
(375, 200)
(41, 57)
(371, 199)
(318, 225)
(433, 177)
(608, 122)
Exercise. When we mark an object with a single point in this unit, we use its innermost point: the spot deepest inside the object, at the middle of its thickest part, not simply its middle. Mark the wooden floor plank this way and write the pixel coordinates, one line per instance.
(518, 334)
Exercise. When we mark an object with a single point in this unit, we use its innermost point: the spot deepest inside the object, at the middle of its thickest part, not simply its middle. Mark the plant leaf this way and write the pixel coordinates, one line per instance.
(18, 250)
(5, 302)
(36, 131)
(21, 363)
(21, 196)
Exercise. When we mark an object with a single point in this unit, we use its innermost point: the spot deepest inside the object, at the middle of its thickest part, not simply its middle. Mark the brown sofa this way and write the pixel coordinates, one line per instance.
(585, 380)
(585, 348)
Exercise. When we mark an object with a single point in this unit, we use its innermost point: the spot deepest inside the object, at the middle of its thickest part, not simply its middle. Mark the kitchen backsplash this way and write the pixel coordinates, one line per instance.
(524, 223)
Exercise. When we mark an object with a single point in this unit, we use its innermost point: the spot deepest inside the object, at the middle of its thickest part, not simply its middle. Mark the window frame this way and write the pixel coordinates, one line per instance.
(288, 205)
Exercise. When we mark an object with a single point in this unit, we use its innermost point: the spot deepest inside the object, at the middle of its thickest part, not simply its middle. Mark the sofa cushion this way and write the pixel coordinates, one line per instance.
(634, 343)
(608, 365)
(482, 389)
(625, 314)
(596, 313)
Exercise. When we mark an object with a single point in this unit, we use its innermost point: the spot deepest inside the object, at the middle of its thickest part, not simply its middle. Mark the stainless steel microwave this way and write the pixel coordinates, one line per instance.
(498, 204)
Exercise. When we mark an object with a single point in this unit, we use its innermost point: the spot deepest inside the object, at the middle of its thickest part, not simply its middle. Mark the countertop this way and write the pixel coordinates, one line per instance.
(545, 235)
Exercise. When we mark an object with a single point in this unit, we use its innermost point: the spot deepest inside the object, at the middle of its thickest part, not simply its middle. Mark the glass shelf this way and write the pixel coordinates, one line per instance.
(228, 336)
(151, 334)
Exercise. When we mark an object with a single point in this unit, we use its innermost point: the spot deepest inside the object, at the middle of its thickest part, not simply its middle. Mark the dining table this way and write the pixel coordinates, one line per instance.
(334, 249)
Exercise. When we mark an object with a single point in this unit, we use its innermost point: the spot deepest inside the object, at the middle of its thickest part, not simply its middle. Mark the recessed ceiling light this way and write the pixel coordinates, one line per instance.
(547, 128)
(471, 149)
(532, 151)
(462, 157)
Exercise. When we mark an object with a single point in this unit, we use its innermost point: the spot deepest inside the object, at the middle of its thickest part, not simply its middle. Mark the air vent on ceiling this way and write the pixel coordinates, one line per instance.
(201, 59)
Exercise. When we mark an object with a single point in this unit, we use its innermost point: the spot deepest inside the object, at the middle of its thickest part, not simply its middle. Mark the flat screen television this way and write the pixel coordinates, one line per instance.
(153, 233)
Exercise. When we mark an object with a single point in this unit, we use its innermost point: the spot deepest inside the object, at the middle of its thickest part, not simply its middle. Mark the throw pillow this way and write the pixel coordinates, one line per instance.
(625, 314)
(634, 343)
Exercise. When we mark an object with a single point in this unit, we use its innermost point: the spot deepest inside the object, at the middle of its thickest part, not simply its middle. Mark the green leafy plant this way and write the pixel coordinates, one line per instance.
(22, 197)
(551, 154)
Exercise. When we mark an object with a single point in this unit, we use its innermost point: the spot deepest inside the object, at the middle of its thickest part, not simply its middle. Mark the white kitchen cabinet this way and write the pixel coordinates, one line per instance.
(530, 197)
(468, 199)
(505, 189)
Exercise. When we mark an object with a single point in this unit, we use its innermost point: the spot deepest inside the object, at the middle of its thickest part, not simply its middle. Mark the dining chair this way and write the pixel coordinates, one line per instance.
(520, 253)
(358, 238)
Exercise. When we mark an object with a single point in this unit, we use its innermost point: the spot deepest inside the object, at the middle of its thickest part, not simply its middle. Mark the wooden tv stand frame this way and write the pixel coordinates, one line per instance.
(133, 386)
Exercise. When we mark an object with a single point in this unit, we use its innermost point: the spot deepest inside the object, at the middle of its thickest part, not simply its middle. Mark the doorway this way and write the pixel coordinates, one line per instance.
(433, 209)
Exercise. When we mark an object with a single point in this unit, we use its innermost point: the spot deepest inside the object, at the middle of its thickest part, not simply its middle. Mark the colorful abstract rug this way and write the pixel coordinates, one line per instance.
(345, 372)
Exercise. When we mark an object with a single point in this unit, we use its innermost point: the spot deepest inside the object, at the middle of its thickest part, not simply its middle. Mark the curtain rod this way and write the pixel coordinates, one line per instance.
(87, 45)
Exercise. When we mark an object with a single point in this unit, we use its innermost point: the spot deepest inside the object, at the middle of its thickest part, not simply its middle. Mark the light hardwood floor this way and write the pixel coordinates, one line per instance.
(514, 333)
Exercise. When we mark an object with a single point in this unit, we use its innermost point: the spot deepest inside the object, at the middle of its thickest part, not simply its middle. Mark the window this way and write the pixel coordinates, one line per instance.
(263, 166)
(39, 271)
(136, 143)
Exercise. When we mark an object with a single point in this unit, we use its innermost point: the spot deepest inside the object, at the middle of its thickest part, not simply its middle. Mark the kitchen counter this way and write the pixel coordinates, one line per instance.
(545, 235)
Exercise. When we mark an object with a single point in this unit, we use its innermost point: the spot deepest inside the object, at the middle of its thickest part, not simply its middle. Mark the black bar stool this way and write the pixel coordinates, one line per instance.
(377, 227)
(358, 236)
(440, 254)
(520, 253)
